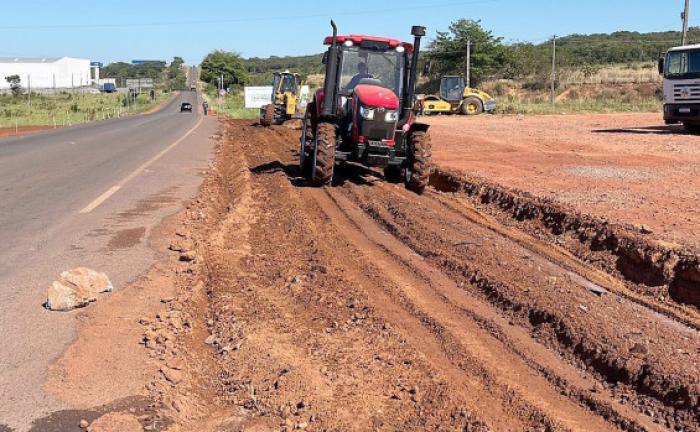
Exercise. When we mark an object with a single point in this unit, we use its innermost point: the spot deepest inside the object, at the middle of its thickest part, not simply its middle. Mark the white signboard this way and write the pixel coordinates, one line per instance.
(257, 97)
(139, 83)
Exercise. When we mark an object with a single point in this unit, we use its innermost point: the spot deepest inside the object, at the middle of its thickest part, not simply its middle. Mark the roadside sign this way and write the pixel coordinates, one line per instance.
(257, 97)
(139, 83)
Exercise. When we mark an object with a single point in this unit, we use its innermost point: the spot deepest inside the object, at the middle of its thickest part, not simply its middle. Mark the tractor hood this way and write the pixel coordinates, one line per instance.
(376, 97)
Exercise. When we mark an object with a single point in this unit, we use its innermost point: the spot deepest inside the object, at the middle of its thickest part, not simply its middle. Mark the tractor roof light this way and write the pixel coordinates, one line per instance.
(348, 43)
(400, 49)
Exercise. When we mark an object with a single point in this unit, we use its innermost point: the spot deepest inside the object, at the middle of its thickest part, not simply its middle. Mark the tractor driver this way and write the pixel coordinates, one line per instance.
(361, 74)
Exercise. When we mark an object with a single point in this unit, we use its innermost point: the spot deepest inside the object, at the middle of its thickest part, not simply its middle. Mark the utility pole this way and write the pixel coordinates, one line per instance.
(469, 63)
(684, 17)
(554, 69)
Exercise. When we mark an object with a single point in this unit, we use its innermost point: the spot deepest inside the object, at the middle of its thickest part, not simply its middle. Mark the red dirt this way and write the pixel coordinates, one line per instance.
(625, 167)
(24, 130)
(366, 307)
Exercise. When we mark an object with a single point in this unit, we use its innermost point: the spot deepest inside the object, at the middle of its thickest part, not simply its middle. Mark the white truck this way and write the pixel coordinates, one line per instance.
(681, 71)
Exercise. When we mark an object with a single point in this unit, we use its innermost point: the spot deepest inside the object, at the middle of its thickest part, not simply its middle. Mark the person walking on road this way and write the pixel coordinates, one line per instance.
(205, 107)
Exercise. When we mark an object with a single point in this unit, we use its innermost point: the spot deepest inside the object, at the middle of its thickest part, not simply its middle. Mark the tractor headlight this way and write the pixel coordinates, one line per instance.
(366, 113)
(391, 116)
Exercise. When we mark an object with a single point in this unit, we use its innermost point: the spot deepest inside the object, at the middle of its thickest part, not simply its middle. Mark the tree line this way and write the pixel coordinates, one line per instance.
(171, 76)
(491, 57)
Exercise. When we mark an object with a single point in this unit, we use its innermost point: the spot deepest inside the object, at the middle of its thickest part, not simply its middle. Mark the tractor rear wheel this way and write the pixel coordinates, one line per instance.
(324, 155)
(419, 162)
(472, 106)
(307, 143)
(268, 115)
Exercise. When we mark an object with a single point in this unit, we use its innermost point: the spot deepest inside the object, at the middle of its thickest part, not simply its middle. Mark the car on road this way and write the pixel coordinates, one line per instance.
(186, 106)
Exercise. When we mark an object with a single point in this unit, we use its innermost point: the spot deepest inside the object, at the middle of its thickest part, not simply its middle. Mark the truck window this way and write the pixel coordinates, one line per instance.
(681, 63)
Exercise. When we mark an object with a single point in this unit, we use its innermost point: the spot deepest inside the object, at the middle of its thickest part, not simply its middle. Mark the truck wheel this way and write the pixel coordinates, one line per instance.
(268, 115)
(472, 106)
(419, 162)
(307, 143)
(324, 155)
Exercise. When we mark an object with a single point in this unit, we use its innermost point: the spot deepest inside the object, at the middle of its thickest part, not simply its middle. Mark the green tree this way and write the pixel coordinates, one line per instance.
(15, 84)
(228, 64)
(448, 52)
(175, 67)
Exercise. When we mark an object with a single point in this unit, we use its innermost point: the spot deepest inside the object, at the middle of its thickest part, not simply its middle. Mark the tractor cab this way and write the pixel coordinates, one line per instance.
(283, 106)
(365, 111)
(284, 83)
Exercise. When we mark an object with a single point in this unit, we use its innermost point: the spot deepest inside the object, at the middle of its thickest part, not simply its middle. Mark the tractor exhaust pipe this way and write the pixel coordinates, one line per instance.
(418, 32)
(330, 98)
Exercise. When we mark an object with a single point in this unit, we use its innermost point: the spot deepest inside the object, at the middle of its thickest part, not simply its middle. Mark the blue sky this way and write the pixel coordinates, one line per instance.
(158, 29)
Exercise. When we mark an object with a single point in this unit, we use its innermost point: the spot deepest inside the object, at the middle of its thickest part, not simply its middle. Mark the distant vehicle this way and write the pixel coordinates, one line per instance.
(109, 88)
(680, 68)
(456, 98)
(193, 87)
(186, 106)
(94, 91)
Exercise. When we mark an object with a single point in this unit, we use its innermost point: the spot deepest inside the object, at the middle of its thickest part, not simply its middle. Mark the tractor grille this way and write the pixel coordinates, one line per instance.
(686, 92)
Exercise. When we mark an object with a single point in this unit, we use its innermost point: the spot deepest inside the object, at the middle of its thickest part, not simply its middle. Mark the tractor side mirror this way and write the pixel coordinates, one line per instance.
(325, 58)
(426, 68)
(661, 65)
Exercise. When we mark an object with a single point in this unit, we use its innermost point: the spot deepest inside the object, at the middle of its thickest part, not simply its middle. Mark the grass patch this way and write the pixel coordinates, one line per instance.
(66, 109)
(583, 106)
(232, 105)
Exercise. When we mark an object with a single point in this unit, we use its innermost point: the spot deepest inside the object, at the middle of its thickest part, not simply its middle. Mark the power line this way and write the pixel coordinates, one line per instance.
(246, 19)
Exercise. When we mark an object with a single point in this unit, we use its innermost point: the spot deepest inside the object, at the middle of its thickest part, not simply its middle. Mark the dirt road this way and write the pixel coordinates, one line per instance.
(625, 167)
(366, 307)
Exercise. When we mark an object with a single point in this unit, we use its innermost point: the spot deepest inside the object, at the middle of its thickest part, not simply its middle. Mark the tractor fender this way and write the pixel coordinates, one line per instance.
(419, 127)
(318, 98)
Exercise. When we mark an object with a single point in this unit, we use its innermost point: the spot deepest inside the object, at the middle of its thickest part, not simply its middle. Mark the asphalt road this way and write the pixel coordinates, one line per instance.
(64, 195)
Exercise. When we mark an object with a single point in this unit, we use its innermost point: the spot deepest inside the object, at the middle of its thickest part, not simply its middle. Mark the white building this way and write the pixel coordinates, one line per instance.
(46, 73)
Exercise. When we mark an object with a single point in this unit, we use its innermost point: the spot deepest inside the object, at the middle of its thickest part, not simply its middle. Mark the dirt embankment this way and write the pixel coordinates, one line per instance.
(626, 168)
(655, 268)
(366, 307)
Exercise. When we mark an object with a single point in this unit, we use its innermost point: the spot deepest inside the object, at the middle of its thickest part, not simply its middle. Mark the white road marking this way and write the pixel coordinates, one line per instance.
(114, 189)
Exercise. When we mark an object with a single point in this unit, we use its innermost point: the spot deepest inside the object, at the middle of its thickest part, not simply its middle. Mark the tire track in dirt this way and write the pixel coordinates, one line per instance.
(599, 333)
(366, 307)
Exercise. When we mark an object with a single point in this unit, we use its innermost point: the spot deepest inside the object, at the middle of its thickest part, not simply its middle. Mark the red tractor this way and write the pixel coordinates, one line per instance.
(365, 111)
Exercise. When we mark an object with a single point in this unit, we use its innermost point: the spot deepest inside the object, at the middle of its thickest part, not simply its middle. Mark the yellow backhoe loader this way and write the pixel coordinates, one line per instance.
(456, 98)
(285, 95)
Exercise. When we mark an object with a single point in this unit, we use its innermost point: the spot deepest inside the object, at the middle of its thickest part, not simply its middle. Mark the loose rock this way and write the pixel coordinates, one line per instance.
(76, 288)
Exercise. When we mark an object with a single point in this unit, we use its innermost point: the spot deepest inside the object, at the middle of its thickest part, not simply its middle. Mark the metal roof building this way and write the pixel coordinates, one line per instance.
(45, 73)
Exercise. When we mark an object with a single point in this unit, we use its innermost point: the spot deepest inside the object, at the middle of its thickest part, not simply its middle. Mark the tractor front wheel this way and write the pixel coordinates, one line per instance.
(268, 115)
(324, 155)
(472, 106)
(419, 162)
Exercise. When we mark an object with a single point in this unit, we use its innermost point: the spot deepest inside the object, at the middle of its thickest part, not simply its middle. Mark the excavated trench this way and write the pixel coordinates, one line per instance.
(670, 269)
(472, 307)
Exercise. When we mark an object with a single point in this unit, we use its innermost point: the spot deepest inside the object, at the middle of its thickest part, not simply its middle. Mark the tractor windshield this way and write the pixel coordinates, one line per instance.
(452, 88)
(289, 84)
(381, 68)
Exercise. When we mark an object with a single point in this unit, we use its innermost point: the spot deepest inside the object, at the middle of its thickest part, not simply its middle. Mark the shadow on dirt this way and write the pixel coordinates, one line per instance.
(344, 172)
(4, 428)
(647, 130)
(68, 420)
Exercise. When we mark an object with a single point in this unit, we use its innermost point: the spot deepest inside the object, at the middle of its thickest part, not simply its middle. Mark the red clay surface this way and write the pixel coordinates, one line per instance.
(628, 168)
(25, 130)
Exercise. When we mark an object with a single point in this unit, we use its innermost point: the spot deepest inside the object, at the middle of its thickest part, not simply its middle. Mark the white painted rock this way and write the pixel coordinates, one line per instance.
(76, 288)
